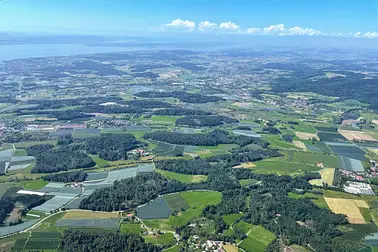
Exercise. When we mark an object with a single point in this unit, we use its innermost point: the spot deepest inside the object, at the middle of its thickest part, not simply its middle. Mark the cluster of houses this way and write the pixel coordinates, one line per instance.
(208, 245)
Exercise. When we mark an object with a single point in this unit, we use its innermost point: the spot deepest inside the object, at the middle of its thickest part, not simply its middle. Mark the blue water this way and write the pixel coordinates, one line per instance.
(9, 52)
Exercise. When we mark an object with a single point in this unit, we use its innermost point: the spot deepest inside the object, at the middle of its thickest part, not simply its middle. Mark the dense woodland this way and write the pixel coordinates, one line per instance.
(195, 166)
(79, 241)
(182, 96)
(210, 139)
(112, 146)
(179, 112)
(65, 177)
(61, 159)
(204, 120)
(130, 193)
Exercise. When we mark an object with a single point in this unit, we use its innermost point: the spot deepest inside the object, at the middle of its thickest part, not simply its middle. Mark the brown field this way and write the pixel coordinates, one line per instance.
(84, 214)
(375, 121)
(245, 165)
(348, 207)
(306, 136)
(300, 145)
(374, 150)
(356, 135)
(317, 182)
(327, 175)
(362, 203)
(230, 248)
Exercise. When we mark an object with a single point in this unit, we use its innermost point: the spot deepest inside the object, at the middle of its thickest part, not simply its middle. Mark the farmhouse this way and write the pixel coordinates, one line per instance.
(358, 188)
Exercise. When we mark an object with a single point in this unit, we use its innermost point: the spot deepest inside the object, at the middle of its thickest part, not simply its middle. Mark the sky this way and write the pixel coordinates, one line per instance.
(349, 18)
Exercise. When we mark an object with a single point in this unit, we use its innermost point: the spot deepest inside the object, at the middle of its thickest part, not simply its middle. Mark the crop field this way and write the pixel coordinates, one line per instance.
(185, 178)
(164, 119)
(326, 129)
(305, 128)
(41, 244)
(52, 187)
(246, 165)
(282, 167)
(160, 239)
(248, 182)
(3, 188)
(75, 203)
(276, 142)
(349, 151)
(99, 161)
(128, 228)
(146, 167)
(97, 175)
(35, 184)
(350, 164)
(332, 137)
(17, 228)
(310, 158)
(323, 147)
(157, 209)
(328, 175)
(231, 218)
(19, 245)
(83, 214)
(101, 223)
(176, 202)
(166, 149)
(162, 224)
(356, 135)
(258, 239)
(85, 133)
(347, 207)
(119, 174)
(305, 135)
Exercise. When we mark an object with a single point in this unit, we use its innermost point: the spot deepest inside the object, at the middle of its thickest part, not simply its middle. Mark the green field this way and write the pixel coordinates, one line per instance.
(276, 142)
(127, 228)
(164, 119)
(162, 239)
(231, 218)
(247, 182)
(4, 187)
(27, 144)
(35, 184)
(162, 224)
(270, 166)
(305, 128)
(317, 199)
(185, 178)
(310, 158)
(176, 202)
(20, 152)
(99, 161)
(258, 239)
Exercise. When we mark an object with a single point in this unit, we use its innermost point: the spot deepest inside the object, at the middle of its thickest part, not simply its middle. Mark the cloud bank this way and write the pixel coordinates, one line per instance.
(271, 30)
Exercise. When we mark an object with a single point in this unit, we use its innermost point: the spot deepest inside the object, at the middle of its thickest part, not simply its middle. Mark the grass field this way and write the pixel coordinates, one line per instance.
(276, 142)
(27, 144)
(310, 158)
(317, 199)
(83, 214)
(270, 166)
(231, 218)
(185, 178)
(3, 188)
(99, 161)
(163, 239)
(176, 202)
(162, 224)
(197, 200)
(35, 184)
(257, 240)
(305, 128)
(127, 228)
(164, 119)
(247, 182)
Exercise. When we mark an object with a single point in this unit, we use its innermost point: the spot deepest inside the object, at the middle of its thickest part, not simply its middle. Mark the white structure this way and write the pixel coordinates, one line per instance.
(358, 188)
(31, 193)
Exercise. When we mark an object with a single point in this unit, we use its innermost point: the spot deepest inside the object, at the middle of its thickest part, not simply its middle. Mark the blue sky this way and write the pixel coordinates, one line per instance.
(262, 17)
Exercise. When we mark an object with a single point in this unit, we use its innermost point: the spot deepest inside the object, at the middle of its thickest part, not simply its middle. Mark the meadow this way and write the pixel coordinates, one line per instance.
(185, 178)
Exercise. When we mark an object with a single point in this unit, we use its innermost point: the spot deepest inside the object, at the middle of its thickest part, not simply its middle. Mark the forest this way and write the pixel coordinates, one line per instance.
(61, 159)
(65, 177)
(130, 193)
(195, 166)
(210, 139)
(204, 120)
(182, 96)
(99, 242)
(112, 146)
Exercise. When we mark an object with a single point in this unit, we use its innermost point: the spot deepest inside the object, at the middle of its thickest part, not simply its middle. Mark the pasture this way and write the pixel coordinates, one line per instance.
(347, 207)
(231, 218)
(248, 182)
(166, 149)
(99, 223)
(85, 133)
(282, 167)
(176, 202)
(185, 178)
(257, 240)
(306, 136)
(305, 128)
(160, 239)
(128, 228)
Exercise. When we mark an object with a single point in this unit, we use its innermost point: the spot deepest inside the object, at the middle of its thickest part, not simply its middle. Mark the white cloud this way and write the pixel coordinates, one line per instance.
(253, 30)
(281, 30)
(370, 34)
(178, 23)
(278, 28)
(357, 34)
(207, 25)
(229, 26)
